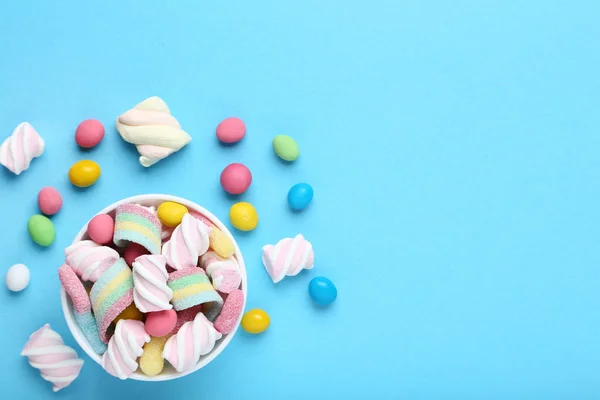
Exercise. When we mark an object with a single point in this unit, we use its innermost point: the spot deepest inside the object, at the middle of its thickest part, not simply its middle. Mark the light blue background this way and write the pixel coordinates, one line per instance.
(453, 147)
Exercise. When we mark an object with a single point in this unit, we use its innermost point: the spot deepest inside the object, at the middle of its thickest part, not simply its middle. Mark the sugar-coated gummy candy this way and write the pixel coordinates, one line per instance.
(133, 251)
(152, 361)
(171, 213)
(84, 173)
(101, 228)
(256, 321)
(49, 200)
(221, 243)
(300, 196)
(41, 230)
(243, 216)
(131, 312)
(231, 130)
(17, 277)
(322, 290)
(236, 178)
(286, 148)
(89, 133)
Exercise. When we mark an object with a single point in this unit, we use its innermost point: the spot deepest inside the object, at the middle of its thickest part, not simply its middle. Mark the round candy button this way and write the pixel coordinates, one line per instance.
(256, 321)
(300, 196)
(322, 290)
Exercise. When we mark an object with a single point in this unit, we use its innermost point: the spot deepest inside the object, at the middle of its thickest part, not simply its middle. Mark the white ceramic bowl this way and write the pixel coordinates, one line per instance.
(169, 372)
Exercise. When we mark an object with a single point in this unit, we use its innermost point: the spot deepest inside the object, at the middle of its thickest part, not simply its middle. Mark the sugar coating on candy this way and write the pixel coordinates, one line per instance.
(221, 243)
(58, 363)
(89, 327)
(101, 228)
(231, 312)
(111, 294)
(124, 348)
(75, 289)
(189, 241)
(131, 312)
(137, 224)
(154, 131)
(132, 252)
(186, 315)
(191, 287)
(49, 200)
(89, 133)
(236, 178)
(231, 130)
(17, 150)
(193, 340)
(150, 290)
(288, 257)
(17, 277)
(160, 323)
(223, 272)
(152, 361)
(89, 259)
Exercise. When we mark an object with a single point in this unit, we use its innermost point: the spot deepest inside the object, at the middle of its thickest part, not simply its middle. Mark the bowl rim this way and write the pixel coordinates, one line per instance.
(76, 331)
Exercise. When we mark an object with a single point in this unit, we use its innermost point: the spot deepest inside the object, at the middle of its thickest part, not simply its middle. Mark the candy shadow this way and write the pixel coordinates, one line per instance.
(281, 160)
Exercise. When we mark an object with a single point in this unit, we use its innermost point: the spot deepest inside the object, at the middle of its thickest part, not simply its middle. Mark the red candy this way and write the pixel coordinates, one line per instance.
(89, 133)
(101, 228)
(236, 178)
(133, 251)
(231, 130)
(49, 200)
(160, 323)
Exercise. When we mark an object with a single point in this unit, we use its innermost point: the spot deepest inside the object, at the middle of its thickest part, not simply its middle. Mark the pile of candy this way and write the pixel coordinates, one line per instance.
(159, 280)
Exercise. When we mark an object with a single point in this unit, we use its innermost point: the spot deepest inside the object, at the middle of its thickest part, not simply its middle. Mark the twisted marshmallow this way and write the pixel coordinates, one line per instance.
(189, 241)
(58, 363)
(150, 290)
(89, 260)
(193, 340)
(288, 257)
(17, 150)
(124, 348)
(223, 272)
(154, 131)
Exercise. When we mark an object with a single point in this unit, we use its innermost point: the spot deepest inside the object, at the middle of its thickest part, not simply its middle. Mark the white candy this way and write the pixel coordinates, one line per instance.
(17, 277)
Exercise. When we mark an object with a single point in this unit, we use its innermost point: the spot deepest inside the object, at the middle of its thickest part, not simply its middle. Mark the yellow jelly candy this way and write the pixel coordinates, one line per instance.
(171, 213)
(256, 321)
(243, 216)
(84, 173)
(220, 243)
(152, 361)
(130, 312)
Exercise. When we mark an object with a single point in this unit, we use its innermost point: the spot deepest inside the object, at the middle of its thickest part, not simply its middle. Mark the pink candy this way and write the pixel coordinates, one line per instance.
(133, 251)
(230, 313)
(231, 130)
(161, 323)
(49, 200)
(89, 133)
(236, 178)
(101, 228)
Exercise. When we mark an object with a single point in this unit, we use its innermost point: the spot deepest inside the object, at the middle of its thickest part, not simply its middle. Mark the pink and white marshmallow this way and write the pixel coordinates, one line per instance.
(17, 150)
(124, 348)
(194, 339)
(189, 241)
(288, 257)
(89, 260)
(224, 273)
(150, 290)
(57, 362)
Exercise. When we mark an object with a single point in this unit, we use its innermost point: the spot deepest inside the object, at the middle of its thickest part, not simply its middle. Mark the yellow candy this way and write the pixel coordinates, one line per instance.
(84, 173)
(171, 213)
(220, 243)
(130, 312)
(243, 216)
(256, 321)
(152, 361)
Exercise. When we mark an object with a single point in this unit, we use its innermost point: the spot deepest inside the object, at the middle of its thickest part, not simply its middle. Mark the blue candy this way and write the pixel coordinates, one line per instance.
(322, 290)
(300, 196)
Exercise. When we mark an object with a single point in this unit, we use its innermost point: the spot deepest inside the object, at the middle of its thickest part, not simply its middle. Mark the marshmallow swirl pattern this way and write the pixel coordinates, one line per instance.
(154, 131)
(150, 290)
(194, 339)
(224, 273)
(124, 348)
(288, 257)
(89, 260)
(58, 363)
(17, 150)
(189, 241)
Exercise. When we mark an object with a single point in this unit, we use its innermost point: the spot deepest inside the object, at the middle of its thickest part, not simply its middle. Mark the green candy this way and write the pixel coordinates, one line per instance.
(41, 230)
(286, 147)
